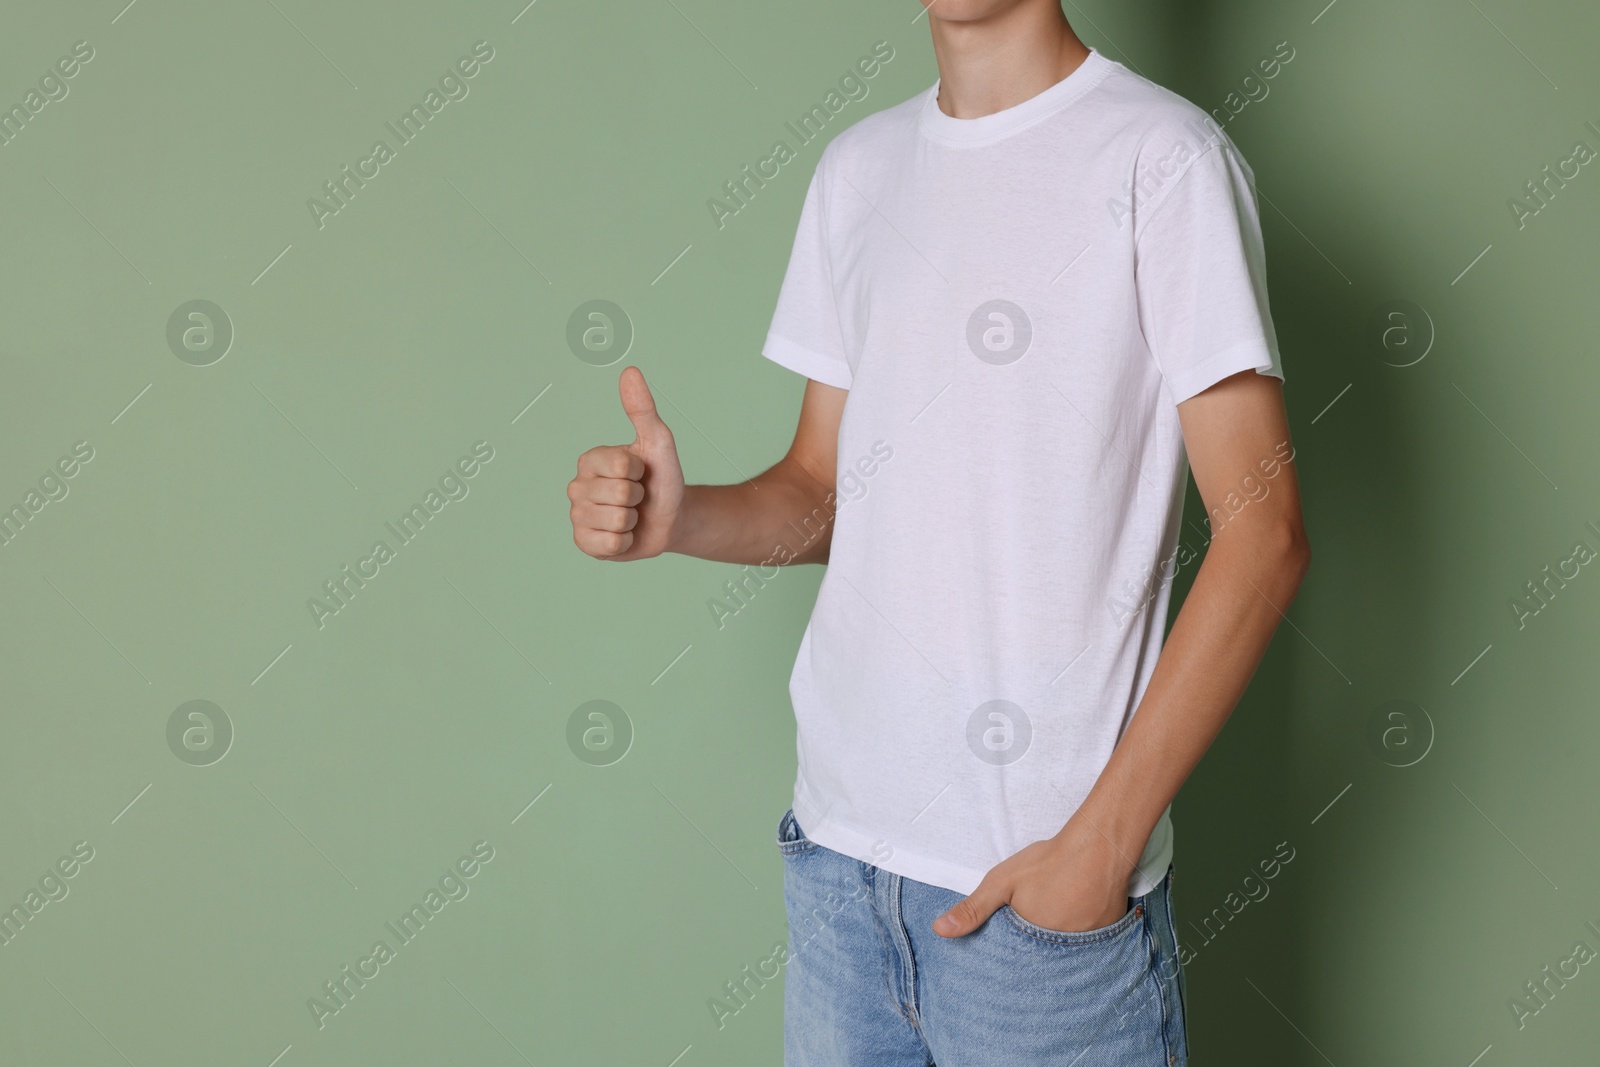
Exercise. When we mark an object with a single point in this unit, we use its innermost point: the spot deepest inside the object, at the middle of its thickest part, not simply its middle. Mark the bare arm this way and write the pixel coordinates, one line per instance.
(1077, 880)
(1251, 572)
(630, 501)
(745, 523)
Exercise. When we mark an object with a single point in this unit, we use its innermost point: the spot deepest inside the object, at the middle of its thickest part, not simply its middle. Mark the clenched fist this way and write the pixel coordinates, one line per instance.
(626, 497)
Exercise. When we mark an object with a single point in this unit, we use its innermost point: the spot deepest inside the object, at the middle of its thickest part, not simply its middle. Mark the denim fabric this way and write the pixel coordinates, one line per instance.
(869, 983)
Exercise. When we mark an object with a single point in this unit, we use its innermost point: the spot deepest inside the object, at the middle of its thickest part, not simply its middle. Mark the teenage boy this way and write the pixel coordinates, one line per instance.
(1029, 301)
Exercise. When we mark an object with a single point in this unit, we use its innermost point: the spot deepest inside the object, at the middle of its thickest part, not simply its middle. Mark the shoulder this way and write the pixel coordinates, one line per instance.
(880, 135)
(1166, 147)
(1156, 123)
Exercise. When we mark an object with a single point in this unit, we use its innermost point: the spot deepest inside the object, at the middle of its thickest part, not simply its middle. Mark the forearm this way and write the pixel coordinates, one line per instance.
(783, 515)
(1247, 579)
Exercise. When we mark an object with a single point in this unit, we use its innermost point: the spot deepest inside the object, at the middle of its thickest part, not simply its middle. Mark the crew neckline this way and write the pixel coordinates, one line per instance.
(986, 128)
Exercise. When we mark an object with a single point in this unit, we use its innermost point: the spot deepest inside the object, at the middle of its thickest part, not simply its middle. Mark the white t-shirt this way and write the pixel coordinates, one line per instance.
(1017, 304)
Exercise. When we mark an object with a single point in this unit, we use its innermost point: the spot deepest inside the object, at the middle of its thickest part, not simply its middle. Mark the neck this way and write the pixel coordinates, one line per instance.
(997, 61)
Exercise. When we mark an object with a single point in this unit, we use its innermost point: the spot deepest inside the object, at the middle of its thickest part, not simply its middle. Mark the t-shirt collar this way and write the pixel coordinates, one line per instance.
(941, 127)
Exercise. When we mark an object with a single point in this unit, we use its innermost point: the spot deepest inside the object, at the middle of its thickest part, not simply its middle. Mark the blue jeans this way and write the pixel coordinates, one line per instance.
(869, 983)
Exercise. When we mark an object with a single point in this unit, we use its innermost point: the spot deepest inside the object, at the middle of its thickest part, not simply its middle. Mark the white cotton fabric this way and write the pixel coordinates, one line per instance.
(1016, 547)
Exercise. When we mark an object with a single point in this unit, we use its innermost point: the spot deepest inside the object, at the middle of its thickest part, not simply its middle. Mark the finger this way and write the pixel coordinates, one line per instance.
(641, 409)
(602, 544)
(621, 492)
(604, 517)
(611, 461)
(968, 914)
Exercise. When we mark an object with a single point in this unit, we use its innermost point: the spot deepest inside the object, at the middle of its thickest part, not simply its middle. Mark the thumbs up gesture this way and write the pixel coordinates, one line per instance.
(626, 498)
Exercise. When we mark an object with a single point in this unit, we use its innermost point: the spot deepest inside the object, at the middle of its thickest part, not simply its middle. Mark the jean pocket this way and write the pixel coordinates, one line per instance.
(1129, 921)
(791, 839)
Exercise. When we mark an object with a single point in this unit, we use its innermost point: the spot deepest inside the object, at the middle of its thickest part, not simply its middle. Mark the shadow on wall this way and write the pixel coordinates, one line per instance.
(1247, 852)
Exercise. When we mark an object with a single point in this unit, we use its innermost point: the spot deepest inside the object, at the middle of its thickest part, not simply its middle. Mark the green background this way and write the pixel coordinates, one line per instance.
(371, 753)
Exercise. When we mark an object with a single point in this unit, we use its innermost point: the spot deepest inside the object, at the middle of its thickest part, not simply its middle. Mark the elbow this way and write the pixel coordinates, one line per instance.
(1274, 551)
(1291, 548)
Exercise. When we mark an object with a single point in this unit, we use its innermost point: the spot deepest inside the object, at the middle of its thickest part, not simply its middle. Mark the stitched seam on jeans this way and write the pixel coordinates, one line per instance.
(1066, 938)
(1172, 923)
(1153, 949)
(889, 944)
(1177, 959)
(902, 939)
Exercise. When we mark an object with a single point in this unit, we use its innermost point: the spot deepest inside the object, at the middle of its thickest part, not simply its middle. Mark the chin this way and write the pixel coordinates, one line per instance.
(972, 10)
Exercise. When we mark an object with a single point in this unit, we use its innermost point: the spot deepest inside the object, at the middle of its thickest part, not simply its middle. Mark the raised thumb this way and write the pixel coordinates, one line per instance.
(641, 409)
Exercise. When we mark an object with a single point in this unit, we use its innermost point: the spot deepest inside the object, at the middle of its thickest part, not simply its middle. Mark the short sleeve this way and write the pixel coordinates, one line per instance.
(805, 335)
(1201, 276)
